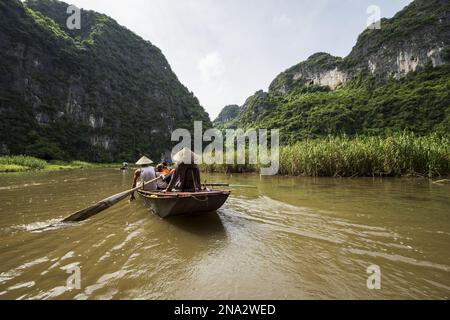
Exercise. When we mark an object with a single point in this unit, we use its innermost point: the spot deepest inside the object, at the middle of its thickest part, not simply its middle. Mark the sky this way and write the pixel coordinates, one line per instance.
(226, 50)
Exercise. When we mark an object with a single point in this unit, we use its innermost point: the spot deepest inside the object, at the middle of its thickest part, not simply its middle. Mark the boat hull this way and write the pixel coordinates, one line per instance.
(169, 204)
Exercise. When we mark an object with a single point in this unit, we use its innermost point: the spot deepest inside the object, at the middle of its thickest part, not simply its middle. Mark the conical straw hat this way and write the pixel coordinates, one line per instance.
(143, 161)
(185, 156)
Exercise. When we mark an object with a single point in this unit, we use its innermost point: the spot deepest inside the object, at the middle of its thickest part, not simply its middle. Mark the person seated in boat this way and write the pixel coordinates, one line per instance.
(167, 167)
(161, 172)
(166, 172)
(168, 176)
(144, 174)
(186, 177)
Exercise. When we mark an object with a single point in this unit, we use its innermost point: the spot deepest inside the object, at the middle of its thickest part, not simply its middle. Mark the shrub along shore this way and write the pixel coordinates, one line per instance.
(25, 163)
(403, 154)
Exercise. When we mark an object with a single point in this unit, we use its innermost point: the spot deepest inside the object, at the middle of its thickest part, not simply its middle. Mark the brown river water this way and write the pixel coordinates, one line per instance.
(275, 238)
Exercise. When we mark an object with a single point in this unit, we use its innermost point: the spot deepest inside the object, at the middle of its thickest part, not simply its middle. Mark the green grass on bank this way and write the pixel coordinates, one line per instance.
(22, 163)
(397, 155)
(12, 168)
(25, 163)
(402, 154)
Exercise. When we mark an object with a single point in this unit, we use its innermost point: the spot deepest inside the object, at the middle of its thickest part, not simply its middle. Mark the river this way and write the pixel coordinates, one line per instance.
(275, 238)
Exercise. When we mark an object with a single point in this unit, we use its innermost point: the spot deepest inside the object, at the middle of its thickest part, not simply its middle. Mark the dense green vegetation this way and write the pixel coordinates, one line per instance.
(419, 102)
(370, 92)
(98, 94)
(228, 117)
(314, 64)
(425, 20)
(402, 154)
(104, 94)
(26, 163)
(21, 163)
(396, 155)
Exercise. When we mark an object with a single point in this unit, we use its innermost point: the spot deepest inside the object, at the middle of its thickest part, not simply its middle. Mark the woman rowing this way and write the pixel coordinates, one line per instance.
(186, 177)
(145, 174)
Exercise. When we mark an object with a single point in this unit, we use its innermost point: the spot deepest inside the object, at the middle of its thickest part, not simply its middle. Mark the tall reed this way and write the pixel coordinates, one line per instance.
(399, 154)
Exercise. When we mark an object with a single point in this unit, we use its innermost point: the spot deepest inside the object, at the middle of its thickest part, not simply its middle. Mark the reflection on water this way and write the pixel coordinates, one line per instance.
(276, 237)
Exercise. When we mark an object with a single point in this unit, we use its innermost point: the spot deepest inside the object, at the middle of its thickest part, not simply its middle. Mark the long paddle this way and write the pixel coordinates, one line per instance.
(102, 205)
(227, 185)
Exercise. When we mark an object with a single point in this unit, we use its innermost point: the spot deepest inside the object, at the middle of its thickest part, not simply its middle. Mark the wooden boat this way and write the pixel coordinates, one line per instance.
(166, 204)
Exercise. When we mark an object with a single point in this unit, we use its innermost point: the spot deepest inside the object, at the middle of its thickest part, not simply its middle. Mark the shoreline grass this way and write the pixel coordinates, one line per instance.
(396, 155)
(25, 163)
(401, 154)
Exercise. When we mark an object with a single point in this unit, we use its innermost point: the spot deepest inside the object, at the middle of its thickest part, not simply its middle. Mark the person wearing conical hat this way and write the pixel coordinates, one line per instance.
(185, 156)
(144, 174)
(186, 177)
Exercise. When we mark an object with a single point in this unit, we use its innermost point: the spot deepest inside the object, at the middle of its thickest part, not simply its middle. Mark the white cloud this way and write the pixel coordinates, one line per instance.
(211, 66)
(283, 20)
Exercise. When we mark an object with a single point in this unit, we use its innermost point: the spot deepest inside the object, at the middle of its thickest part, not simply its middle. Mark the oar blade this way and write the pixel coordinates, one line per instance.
(102, 205)
(97, 208)
(86, 213)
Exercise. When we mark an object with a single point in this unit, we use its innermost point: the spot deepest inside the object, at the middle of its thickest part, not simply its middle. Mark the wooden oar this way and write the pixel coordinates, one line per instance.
(227, 185)
(444, 181)
(102, 205)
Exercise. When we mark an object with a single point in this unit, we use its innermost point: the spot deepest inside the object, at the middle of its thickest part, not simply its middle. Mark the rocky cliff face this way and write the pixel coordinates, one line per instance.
(321, 69)
(412, 39)
(416, 37)
(415, 40)
(229, 113)
(99, 93)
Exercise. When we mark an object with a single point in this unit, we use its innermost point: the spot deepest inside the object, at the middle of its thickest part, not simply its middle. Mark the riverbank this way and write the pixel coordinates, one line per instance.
(25, 163)
(402, 154)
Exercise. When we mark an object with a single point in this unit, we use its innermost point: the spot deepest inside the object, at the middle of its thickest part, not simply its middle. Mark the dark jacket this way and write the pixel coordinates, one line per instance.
(186, 178)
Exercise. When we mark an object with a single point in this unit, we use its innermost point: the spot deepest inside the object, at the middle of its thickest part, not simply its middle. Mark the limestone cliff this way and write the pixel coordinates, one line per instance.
(321, 69)
(392, 75)
(229, 113)
(100, 93)
(416, 37)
